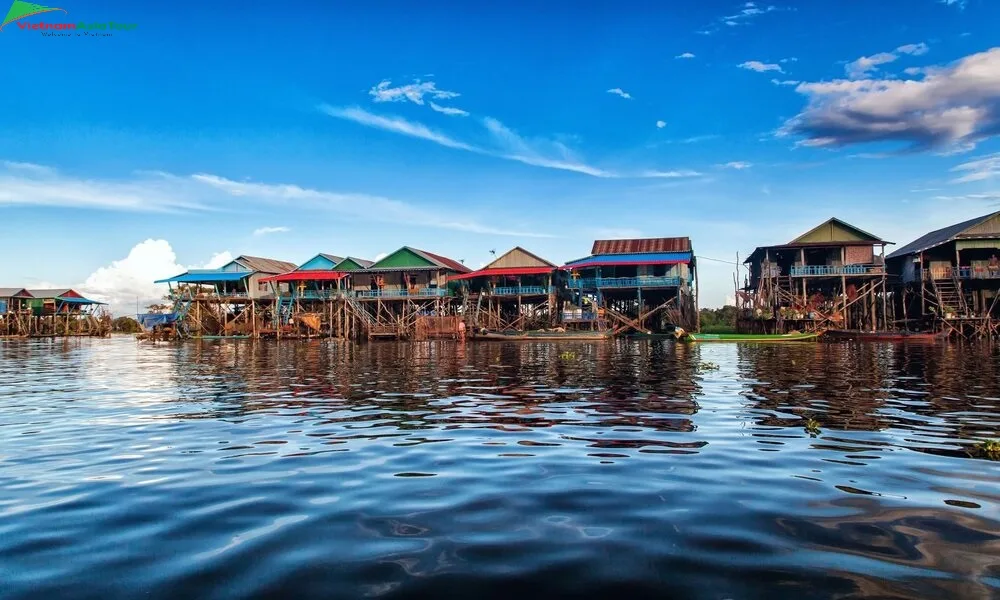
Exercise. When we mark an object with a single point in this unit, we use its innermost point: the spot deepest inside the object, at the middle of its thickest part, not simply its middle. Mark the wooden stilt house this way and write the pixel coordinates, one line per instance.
(515, 292)
(950, 278)
(831, 277)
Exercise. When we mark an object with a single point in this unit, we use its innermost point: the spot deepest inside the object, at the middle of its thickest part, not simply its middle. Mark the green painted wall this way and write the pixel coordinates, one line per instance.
(348, 265)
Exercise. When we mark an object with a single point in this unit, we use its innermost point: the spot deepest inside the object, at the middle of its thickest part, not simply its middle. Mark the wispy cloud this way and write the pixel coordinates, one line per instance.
(269, 230)
(506, 143)
(12, 165)
(990, 197)
(685, 55)
(953, 107)
(395, 125)
(739, 165)
(413, 92)
(620, 92)
(749, 11)
(676, 174)
(959, 3)
(449, 110)
(661, 124)
(785, 82)
(760, 67)
(980, 169)
(866, 64)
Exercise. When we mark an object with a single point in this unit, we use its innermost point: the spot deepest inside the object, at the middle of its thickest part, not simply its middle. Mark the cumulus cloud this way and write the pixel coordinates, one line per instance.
(986, 167)
(954, 106)
(128, 280)
(269, 230)
(685, 55)
(620, 92)
(760, 67)
(661, 124)
(866, 64)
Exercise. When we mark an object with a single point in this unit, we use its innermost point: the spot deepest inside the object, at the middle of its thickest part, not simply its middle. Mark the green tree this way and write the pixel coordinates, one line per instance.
(125, 325)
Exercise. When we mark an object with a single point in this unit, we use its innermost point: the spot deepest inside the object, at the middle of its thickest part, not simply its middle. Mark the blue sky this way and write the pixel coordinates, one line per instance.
(355, 129)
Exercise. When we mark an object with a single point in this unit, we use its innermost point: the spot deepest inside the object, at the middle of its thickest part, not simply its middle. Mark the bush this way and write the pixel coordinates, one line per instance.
(125, 325)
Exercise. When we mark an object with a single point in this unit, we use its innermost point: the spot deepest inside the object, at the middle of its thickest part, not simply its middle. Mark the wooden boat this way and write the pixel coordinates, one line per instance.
(887, 336)
(536, 336)
(684, 336)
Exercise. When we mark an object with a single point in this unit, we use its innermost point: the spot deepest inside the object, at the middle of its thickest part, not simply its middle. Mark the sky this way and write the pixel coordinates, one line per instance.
(193, 136)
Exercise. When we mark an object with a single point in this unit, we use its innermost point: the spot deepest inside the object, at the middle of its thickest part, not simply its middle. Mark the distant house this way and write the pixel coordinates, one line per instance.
(322, 276)
(14, 300)
(813, 280)
(59, 301)
(407, 272)
(241, 277)
(953, 272)
(634, 280)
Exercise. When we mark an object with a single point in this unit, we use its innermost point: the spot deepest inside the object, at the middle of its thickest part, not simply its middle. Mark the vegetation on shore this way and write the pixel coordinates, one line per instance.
(718, 320)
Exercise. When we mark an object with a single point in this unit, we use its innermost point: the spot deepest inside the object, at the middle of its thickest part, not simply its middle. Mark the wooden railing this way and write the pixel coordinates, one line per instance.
(624, 282)
(416, 293)
(961, 273)
(523, 290)
(818, 270)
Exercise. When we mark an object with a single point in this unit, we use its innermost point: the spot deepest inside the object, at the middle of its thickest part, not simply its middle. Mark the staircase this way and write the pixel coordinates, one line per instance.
(371, 327)
(182, 306)
(950, 299)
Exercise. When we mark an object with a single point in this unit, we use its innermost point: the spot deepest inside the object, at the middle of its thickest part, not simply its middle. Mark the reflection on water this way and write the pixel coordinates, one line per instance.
(323, 469)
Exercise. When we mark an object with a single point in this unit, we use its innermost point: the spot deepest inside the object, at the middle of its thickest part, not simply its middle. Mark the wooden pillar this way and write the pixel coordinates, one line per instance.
(923, 299)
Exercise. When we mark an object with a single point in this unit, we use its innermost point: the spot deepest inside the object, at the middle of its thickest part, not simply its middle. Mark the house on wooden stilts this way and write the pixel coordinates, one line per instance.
(65, 312)
(407, 295)
(633, 285)
(233, 300)
(514, 293)
(831, 277)
(950, 278)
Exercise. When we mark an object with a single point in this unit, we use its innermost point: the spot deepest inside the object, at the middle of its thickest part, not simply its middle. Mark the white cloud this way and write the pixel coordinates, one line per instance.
(954, 106)
(749, 11)
(360, 206)
(866, 64)
(739, 165)
(506, 143)
(661, 124)
(449, 110)
(127, 280)
(268, 230)
(620, 92)
(414, 92)
(986, 167)
(785, 82)
(652, 174)
(37, 185)
(991, 197)
(380, 256)
(685, 55)
(788, 60)
(395, 125)
(218, 260)
(760, 67)
(959, 3)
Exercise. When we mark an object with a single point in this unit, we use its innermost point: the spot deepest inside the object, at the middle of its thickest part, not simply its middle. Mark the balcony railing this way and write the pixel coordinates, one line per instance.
(962, 273)
(417, 293)
(315, 294)
(624, 282)
(818, 270)
(524, 290)
(570, 316)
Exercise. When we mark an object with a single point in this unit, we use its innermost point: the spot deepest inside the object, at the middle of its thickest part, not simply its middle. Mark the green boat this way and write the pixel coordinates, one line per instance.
(684, 336)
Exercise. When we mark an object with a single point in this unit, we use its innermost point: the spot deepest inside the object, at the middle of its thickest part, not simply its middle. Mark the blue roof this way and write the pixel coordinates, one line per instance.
(637, 258)
(78, 300)
(206, 277)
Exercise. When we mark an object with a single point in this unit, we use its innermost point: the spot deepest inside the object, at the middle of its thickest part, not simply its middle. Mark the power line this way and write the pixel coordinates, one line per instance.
(728, 262)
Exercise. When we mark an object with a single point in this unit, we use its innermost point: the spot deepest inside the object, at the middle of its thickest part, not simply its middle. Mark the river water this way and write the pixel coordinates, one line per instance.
(235, 469)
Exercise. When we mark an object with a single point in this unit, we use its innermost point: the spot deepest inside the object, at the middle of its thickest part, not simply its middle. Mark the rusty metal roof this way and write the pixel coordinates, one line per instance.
(673, 244)
(265, 265)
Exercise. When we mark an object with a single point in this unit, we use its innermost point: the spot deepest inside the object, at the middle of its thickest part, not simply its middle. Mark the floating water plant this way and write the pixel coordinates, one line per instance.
(812, 426)
(989, 449)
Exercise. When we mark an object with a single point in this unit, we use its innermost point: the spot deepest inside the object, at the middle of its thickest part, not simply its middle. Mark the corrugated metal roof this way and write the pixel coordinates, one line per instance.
(49, 293)
(331, 257)
(206, 277)
(640, 258)
(14, 293)
(672, 244)
(938, 237)
(265, 265)
(364, 263)
(443, 261)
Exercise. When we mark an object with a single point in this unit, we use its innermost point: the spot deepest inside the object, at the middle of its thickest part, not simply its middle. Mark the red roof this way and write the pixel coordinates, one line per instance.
(674, 244)
(308, 276)
(504, 271)
(452, 264)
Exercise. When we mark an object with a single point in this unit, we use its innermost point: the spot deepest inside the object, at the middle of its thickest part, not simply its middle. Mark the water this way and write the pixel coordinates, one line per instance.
(632, 469)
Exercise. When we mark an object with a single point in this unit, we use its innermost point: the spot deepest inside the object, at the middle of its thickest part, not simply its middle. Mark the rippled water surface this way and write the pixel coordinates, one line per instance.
(626, 469)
